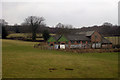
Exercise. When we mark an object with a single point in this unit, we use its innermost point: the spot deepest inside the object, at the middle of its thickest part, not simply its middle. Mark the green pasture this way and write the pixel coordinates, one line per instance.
(26, 36)
(22, 35)
(21, 60)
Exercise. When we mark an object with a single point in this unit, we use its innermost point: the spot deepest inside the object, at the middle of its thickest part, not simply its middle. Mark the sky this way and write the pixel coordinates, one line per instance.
(119, 14)
(78, 13)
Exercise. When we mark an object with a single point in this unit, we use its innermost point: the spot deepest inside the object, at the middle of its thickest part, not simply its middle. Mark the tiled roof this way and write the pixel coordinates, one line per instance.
(105, 41)
(88, 33)
(77, 37)
(73, 37)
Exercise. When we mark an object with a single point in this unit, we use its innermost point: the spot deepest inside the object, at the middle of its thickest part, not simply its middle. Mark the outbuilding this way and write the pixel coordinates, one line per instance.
(82, 40)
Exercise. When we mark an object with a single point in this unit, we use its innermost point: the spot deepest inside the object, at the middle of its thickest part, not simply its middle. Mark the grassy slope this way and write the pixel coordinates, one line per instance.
(21, 60)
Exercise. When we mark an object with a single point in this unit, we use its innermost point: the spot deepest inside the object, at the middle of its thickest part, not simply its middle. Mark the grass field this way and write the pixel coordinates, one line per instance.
(26, 36)
(21, 60)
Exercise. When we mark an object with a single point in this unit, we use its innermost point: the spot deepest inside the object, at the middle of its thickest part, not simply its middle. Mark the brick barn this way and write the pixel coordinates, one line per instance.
(81, 40)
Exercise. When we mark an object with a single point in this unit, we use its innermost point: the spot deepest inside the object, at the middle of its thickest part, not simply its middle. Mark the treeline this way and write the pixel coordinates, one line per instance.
(106, 29)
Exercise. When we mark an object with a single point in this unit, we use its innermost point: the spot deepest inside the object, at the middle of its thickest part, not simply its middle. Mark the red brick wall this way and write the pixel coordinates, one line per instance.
(75, 43)
(51, 43)
(69, 43)
(62, 42)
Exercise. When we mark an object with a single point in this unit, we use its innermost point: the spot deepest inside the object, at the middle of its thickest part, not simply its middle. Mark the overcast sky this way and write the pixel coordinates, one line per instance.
(78, 13)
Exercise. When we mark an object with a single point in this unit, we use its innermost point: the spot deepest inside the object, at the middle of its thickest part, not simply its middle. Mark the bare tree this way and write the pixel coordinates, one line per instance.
(3, 22)
(68, 26)
(63, 28)
(34, 22)
(60, 25)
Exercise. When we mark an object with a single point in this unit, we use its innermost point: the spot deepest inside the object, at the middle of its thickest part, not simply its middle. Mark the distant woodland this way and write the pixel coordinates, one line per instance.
(106, 29)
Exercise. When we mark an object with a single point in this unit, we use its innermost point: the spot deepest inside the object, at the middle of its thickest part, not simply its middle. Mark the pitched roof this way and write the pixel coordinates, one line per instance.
(51, 39)
(77, 37)
(105, 41)
(57, 37)
(88, 33)
(62, 38)
(71, 37)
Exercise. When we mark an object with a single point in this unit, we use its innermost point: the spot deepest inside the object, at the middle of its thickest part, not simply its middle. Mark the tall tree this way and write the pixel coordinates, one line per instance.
(3, 31)
(3, 22)
(46, 35)
(34, 22)
(63, 29)
(16, 28)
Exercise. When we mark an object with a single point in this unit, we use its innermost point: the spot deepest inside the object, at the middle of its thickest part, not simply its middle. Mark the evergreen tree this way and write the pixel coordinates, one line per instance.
(4, 32)
(46, 35)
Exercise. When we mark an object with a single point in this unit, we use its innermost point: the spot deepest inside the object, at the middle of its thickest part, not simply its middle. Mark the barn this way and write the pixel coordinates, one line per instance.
(81, 40)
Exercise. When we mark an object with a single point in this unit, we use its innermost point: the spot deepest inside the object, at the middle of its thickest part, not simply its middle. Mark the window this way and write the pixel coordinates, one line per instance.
(51, 44)
(88, 42)
(83, 41)
(72, 42)
(78, 41)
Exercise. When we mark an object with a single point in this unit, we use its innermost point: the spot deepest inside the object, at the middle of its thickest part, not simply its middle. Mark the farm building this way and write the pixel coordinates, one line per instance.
(89, 39)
